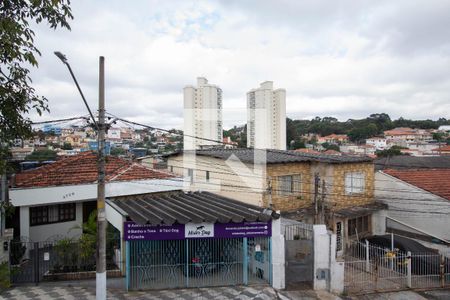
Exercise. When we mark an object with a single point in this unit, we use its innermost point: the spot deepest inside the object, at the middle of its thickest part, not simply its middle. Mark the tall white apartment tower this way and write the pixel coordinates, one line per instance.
(266, 117)
(202, 115)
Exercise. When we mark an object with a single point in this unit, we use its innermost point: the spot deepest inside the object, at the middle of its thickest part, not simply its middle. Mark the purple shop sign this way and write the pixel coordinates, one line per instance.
(246, 229)
(133, 232)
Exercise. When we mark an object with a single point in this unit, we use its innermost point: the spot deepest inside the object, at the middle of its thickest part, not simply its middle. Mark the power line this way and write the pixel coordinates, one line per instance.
(59, 120)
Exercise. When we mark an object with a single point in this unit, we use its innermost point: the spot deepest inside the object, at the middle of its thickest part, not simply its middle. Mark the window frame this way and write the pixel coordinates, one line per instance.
(294, 182)
(65, 212)
(350, 181)
(362, 223)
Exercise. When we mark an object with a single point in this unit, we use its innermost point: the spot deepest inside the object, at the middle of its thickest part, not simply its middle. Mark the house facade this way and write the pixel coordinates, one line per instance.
(291, 182)
(418, 199)
(55, 200)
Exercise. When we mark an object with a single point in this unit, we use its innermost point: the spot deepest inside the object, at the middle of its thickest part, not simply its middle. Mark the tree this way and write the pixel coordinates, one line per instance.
(393, 151)
(117, 151)
(18, 51)
(42, 155)
(67, 146)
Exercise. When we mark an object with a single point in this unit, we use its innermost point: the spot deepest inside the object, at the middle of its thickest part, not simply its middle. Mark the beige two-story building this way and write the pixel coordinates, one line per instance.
(330, 189)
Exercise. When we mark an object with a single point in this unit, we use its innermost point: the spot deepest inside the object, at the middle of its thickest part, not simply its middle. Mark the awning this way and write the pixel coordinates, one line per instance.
(193, 207)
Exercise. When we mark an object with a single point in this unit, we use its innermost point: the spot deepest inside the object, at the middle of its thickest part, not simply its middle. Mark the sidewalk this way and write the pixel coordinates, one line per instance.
(85, 290)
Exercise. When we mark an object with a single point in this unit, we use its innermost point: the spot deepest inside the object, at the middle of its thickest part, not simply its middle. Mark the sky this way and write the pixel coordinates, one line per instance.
(346, 59)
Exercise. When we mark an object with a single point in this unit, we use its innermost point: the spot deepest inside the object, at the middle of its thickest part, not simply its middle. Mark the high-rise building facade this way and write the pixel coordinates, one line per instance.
(266, 117)
(202, 115)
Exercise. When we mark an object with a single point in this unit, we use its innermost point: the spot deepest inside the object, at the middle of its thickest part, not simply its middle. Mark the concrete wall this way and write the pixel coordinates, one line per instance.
(414, 206)
(328, 272)
(278, 256)
(248, 186)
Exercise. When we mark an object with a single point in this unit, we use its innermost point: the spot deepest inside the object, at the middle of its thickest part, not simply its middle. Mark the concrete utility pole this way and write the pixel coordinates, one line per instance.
(101, 213)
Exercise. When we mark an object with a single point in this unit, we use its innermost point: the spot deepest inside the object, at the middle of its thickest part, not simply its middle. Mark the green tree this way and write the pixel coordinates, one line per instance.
(17, 52)
(329, 146)
(393, 151)
(116, 151)
(67, 146)
(42, 155)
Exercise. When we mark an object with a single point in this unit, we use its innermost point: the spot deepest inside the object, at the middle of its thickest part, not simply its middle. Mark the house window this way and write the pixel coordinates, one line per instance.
(354, 183)
(41, 215)
(207, 176)
(289, 184)
(171, 169)
(358, 225)
(338, 236)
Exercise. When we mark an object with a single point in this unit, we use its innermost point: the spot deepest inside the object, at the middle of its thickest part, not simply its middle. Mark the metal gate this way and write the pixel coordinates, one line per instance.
(157, 264)
(369, 268)
(299, 256)
(60, 259)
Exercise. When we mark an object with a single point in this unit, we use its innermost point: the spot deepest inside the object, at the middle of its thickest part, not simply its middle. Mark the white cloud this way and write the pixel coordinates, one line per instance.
(346, 58)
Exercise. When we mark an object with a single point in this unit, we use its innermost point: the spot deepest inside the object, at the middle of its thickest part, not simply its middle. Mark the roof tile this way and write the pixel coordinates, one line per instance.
(435, 181)
(82, 169)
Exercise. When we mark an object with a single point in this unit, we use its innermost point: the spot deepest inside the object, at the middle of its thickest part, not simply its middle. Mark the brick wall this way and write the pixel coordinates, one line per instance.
(338, 195)
(291, 202)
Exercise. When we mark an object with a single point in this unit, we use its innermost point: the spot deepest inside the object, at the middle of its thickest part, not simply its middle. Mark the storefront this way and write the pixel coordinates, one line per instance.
(180, 240)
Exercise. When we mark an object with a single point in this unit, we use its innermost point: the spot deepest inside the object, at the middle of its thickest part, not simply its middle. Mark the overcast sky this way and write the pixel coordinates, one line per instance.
(345, 59)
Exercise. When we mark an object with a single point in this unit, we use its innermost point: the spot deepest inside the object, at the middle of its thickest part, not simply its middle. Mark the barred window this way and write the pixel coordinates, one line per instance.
(41, 215)
(354, 183)
(289, 184)
(358, 225)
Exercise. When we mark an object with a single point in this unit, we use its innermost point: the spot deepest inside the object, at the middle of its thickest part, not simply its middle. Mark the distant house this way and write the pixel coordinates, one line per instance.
(407, 134)
(333, 139)
(358, 149)
(418, 199)
(56, 199)
(380, 143)
(444, 128)
(228, 143)
(443, 150)
(285, 181)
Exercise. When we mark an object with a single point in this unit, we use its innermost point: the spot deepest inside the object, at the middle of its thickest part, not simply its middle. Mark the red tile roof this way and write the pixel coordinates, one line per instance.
(445, 148)
(436, 181)
(82, 169)
(305, 150)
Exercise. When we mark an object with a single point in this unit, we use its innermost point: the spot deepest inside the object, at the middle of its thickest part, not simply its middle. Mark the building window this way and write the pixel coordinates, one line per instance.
(354, 183)
(207, 176)
(48, 214)
(171, 169)
(289, 184)
(338, 236)
(358, 225)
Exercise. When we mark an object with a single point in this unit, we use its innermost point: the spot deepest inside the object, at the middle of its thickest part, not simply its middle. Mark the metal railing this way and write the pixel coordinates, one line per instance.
(198, 262)
(373, 268)
(298, 231)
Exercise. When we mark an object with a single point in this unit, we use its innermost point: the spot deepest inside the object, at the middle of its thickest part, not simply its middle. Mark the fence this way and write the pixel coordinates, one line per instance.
(60, 259)
(157, 264)
(298, 231)
(371, 268)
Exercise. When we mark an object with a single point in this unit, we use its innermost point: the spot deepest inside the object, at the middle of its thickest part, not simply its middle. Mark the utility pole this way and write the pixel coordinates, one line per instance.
(269, 191)
(316, 194)
(322, 204)
(101, 213)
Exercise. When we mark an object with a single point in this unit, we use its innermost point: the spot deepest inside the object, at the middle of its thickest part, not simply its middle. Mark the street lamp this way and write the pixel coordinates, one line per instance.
(101, 212)
(63, 58)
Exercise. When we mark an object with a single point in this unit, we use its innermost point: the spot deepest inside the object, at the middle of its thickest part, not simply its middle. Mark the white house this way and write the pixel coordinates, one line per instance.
(418, 199)
(379, 143)
(55, 200)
